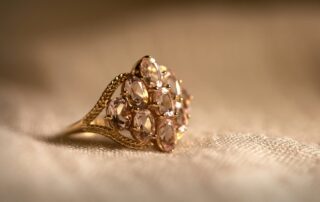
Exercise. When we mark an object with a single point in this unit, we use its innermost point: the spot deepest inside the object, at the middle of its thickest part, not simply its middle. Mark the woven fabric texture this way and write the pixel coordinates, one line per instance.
(255, 125)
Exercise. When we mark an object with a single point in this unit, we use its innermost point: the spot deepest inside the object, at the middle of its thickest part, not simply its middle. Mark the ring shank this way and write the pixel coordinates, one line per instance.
(76, 127)
(94, 124)
(79, 126)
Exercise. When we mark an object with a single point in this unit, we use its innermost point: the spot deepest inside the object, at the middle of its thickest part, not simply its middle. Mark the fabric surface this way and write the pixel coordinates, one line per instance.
(254, 73)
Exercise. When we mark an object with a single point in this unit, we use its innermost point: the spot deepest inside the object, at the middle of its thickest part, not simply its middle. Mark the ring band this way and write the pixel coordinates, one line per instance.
(151, 110)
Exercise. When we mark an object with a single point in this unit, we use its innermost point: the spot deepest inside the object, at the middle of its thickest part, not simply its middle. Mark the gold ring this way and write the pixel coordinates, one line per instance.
(152, 109)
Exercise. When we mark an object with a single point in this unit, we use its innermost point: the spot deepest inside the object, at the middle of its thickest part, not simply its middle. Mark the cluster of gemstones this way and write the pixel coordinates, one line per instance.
(152, 105)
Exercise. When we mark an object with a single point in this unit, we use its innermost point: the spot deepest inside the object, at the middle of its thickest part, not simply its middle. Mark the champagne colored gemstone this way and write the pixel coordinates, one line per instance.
(150, 72)
(136, 91)
(119, 113)
(186, 98)
(143, 125)
(163, 101)
(170, 80)
(166, 135)
(182, 120)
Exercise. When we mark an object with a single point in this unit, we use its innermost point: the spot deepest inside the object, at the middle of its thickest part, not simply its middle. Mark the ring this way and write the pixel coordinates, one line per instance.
(152, 110)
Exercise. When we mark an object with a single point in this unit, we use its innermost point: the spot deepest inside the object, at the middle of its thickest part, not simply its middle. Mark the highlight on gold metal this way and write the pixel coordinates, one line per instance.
(153, 109)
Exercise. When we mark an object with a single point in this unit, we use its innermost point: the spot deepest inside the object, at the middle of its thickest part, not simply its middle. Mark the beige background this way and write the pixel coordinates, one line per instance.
(253, 70)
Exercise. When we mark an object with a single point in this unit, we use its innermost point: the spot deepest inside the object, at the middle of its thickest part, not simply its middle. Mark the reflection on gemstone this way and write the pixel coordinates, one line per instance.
(170, 80)
(143, 125)
(119, 113)
(178, 104)
(182, 120)
(150, 72)
(163, 101)
(166, 135)
(136, 91)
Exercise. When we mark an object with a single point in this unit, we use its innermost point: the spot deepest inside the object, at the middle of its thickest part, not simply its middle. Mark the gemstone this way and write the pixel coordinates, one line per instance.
(136, 91)
(166, 135)
(150, 72)
(119, 113)
(171, 81)
(182, 120)
(186, 98)
(163, 102)
(143, 125)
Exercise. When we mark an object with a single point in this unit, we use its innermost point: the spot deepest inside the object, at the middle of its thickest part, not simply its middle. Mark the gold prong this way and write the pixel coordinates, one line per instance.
(178, 98)
(136, 109)
(125, 95)
(108, 117)
(161, 116)
(154, 105)
(136, 129)
(154, 89)
(153, 136)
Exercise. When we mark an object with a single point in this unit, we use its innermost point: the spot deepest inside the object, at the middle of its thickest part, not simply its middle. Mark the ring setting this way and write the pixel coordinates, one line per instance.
(152, 110)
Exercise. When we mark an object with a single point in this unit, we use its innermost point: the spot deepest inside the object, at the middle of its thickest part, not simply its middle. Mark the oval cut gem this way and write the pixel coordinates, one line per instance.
(163, 102)
(136, 91)
(166, 135)
(143, 125)
(119, 113)
(150, 72)
(171, 81)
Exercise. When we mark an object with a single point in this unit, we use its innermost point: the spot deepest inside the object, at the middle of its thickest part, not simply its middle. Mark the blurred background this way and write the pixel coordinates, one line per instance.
(252, 66)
